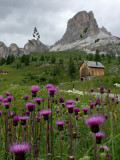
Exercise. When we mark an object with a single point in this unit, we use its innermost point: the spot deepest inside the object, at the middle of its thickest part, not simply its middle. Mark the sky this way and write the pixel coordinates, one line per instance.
(19, 17)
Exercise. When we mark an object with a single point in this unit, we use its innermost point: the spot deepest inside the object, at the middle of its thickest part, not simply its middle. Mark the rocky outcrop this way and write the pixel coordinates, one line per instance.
(14, 50)
(4, 51)
(35, 46)
(32, 46)
(76, 26)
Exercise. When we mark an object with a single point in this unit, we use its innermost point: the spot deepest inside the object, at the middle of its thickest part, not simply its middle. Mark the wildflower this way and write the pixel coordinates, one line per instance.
(56, 101)
(1, 98)
(74, 134)
(38, 100)
(97, 101)
(27, 112)
(34, 89)
(9, 98)
(70, 101)
(60, 124)
(76, 110)
(101, 89)
(49, 86)
(104, 147)
(45, 113)
(113, 99)
(108, 90)
(77, 117)
(76, 98)
(85, 109)
(106, 116)
(92, 105)
(108, 157)
(7, 93)
(0, 113)
(7, 105)
(91, 90)
(23, 119)
(70, 108)
(30, 106)
(15, 120)
(19, 150)
(94, 121)
(61, 100)
(57, 111)
(5, 100)
(99, 136)
(25, 97)
(117, 101)
(38, 118)
(71, 157)
(52, 91)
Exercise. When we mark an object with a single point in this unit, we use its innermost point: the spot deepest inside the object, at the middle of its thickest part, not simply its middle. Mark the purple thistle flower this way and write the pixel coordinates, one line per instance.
(117, 101)
(99, 136)
(38, 118)
(7, 105)
(70, 107)
(85, 109)
(49, 86)
(26, 96)
(30, 106)
(5, 100)
(57, 111)
(101, 89)
(27, 112)
(92, 105)
(1, 98)
(60, 124)
(104, 147)
(113, 99)
(71, 157)
(91, 90)
(38, 100)
(52, 91)
(106, 116)
(77, 117)
(56, 101)
(45, 113)
(9, 98)
(7, 93)
(15, 120)
(23, 119)
(76, 98)
(18, 148)
(76, 110)
(61, 99)
(34, 88)
(98, 100)
(70, 101)
(0, 113)
(94, 121)
(108, 90)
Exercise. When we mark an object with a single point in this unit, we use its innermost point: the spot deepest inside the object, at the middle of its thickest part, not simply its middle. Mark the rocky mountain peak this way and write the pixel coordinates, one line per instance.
(76, 26)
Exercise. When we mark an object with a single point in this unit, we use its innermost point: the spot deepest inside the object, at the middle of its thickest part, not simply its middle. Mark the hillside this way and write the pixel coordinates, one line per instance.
(57, 68)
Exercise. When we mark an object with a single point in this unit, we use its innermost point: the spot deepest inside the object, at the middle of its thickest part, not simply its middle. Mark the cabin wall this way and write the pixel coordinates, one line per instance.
(96, 71)
(88, 71)
(84, 70)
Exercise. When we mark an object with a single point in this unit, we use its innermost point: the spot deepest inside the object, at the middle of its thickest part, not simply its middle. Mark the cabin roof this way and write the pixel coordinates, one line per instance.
(93, 64)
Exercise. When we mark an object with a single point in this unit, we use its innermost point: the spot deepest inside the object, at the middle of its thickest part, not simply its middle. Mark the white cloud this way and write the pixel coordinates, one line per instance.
(18, 18)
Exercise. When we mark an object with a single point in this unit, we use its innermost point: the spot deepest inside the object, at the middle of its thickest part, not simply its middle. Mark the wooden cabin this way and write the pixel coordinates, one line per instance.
(91, 69)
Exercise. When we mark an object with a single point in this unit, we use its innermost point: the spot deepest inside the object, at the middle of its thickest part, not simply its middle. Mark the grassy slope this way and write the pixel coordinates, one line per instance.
(22, 76)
